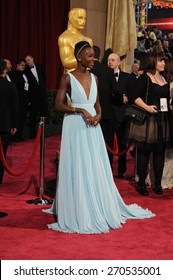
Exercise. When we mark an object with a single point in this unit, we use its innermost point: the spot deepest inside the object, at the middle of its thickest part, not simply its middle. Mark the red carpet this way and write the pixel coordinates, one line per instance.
(24, 234)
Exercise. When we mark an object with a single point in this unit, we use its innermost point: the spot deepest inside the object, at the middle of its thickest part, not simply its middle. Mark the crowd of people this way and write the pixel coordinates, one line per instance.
(29, 79)
(154, 40)
(158, 74)
(27, 82)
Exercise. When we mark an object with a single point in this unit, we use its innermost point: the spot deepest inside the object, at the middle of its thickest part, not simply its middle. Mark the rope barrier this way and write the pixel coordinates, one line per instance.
(115, 150)
(28, 164)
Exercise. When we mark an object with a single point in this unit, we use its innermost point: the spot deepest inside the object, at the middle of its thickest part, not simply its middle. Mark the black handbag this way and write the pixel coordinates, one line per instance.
(137, 113)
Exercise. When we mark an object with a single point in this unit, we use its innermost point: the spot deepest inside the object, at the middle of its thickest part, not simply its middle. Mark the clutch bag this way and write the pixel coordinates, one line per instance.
(136, 113)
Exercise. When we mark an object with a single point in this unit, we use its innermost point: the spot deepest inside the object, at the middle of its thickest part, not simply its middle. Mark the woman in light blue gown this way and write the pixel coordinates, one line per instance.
(87, 200)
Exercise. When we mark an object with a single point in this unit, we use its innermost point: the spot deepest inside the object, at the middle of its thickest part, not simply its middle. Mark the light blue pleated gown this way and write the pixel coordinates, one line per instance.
(87, 200)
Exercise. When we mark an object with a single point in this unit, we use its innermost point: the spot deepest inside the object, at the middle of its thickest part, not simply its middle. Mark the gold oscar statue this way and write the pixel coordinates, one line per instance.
(71, 36)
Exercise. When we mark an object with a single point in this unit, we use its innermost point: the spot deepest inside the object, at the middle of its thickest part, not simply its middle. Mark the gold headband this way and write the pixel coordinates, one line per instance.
(82, 48)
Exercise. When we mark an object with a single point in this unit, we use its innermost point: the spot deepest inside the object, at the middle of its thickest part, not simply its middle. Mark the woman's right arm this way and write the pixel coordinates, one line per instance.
(60, 100)
(152, 109)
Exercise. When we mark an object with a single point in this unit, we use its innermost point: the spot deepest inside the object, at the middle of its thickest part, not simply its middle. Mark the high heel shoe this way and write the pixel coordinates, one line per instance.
(158, 190)
(142, 190)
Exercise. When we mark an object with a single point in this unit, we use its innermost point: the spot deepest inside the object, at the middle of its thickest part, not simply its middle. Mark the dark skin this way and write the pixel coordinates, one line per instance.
(85, 60)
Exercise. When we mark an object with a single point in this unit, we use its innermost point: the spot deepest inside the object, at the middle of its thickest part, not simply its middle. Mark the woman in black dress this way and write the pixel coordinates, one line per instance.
(152, 136)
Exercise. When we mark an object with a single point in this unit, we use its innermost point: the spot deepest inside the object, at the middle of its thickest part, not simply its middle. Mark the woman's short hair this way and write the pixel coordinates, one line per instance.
(152, 61)
(80, 46)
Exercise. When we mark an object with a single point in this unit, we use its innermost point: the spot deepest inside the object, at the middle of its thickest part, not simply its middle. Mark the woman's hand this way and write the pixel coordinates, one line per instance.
(152, 109)
(90, 119)
(13, 130)
(87, 116)
(95, 120)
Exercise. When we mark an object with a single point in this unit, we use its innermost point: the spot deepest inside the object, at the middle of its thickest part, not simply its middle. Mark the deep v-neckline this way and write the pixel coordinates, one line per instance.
(87, 97)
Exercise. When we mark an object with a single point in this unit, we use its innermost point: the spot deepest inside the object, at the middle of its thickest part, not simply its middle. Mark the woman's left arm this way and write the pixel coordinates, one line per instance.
(98, 109)
(97, 117)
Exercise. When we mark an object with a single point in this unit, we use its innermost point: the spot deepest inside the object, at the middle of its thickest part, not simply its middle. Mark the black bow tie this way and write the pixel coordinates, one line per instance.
(116, 74)
(32, 67)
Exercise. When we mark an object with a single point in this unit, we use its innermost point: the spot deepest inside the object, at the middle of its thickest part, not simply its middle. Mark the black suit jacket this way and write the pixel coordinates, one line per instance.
(38, 90)
(107, 88)
(17, 78)
(134, 76)
(8, 105)
(126, 86)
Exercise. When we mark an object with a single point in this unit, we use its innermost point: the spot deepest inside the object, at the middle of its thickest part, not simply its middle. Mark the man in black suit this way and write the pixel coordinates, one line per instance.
(134, 71)
(38, 102)
(19, 78)
(107, 89)
(125, 83)
(8, 111)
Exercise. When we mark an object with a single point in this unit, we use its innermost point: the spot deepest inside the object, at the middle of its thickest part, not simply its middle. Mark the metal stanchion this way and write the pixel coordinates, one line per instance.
(41, 200)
